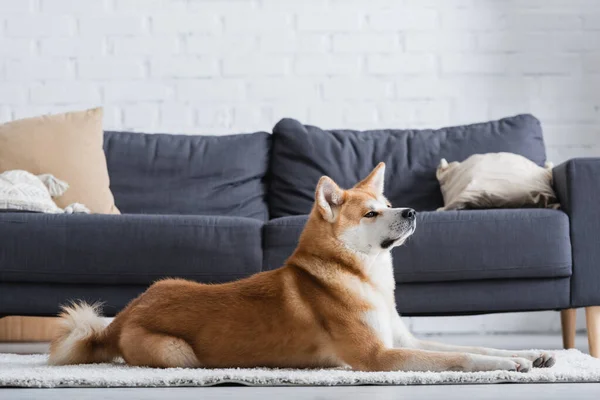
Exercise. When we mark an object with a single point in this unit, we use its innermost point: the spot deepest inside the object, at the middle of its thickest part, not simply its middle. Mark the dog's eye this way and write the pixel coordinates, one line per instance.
(371, 214)
(389, 205)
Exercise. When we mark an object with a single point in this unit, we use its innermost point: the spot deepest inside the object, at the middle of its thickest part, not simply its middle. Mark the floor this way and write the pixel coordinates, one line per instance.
(448, 392)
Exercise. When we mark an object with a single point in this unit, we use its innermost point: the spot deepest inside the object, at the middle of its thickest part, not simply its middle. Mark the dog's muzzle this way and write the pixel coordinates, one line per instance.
(407, 225)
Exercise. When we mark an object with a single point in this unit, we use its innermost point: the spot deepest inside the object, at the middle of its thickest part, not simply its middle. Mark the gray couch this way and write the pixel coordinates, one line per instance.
(215, 209)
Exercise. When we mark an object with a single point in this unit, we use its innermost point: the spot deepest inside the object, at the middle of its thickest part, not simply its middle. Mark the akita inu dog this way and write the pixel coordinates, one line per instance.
(331, 304)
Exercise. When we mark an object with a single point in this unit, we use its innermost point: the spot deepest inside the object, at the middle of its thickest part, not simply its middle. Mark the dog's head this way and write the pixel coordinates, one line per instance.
(361, 217)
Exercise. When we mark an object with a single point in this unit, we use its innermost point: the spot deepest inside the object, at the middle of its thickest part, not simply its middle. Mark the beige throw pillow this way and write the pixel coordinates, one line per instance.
(68, 146)
(495, 180)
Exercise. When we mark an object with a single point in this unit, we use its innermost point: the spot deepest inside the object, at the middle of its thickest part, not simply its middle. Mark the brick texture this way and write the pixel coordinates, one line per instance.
(225, 66)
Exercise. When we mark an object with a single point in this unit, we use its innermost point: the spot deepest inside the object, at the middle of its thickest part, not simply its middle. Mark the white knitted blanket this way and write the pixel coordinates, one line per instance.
(23, 191)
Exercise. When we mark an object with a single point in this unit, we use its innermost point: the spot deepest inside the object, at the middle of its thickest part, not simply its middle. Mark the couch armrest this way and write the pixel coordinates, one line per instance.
(577, 185)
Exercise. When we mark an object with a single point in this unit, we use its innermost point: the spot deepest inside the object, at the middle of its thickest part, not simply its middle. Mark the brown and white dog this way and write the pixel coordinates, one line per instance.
(331, 304)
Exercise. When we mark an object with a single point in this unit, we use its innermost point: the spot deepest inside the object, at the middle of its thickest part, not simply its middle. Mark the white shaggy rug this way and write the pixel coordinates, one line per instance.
(32, 371)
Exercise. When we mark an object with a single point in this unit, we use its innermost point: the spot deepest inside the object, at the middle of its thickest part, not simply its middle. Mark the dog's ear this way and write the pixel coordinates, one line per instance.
(328, 196)
(374, 182)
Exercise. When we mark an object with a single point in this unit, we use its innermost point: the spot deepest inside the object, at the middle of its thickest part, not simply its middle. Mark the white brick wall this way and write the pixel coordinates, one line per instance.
(225, 66)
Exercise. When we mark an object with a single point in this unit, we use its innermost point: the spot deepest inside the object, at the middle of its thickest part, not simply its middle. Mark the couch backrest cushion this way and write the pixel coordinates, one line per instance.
(196, 175)
(302, 154)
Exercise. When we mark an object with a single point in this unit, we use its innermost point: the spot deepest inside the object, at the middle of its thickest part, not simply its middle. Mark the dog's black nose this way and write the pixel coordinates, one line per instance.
(409, 214)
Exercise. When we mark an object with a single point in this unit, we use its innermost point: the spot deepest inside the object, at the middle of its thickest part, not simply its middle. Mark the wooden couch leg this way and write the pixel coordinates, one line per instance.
(28, 329)
(567, 321)
(592, 316)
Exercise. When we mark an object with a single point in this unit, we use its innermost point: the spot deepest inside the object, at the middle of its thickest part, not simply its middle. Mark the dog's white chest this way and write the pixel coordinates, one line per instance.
(378, 317)
(379, 294)
(379, 322)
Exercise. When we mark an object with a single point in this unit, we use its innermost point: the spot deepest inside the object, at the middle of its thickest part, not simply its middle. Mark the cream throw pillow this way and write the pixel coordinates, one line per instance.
(68, 146)
(495, 180)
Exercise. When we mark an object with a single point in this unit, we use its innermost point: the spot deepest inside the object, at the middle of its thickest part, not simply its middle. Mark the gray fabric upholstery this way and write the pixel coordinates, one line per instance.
(127, 249)
(181, 174)
(280, 238)
(461, 245)
(196, 207)
(302, 154)
(18, 298)
(434, 298)
(474, 297)
(577, 184)
(486, 244)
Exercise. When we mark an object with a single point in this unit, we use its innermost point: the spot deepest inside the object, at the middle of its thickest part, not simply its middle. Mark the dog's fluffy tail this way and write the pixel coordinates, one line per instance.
(83, 337)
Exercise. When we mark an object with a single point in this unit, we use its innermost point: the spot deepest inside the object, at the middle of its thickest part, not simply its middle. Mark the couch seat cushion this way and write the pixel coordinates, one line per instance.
(303, 153)
(127, 249)
(462, 245)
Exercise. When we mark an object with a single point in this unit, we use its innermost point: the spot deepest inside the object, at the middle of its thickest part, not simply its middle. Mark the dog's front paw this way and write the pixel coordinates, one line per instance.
(544, 360)
(490, 363)
(539, 360)
(522, 364)
(514, 364)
